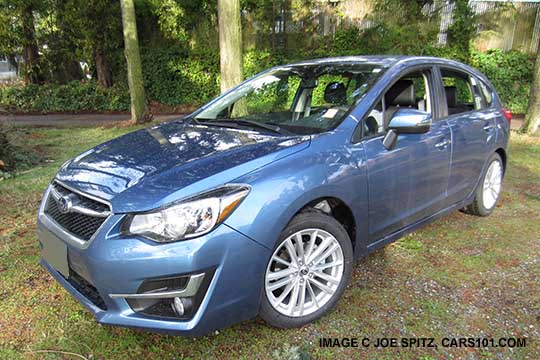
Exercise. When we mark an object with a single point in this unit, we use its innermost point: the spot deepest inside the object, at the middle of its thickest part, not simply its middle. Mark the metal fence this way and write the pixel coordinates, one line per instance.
(515, 24)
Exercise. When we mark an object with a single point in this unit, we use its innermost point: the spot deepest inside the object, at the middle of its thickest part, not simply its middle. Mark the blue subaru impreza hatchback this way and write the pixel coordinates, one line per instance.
(259, 202)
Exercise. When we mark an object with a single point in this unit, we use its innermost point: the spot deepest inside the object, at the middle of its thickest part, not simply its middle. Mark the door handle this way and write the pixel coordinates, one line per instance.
(488, 128)
(442, 144)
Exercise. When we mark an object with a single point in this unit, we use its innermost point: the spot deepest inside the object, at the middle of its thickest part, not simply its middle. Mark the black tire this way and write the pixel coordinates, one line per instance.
(477, 207)
(310, 220)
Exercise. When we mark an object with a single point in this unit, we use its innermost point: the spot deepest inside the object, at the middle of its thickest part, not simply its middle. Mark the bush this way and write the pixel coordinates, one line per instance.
(73, 97)
(173, 77)
(256, 61)
(510, 72)
(12, 155)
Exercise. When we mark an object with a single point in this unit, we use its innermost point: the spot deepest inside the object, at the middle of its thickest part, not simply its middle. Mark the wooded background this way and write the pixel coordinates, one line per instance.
(69, 54)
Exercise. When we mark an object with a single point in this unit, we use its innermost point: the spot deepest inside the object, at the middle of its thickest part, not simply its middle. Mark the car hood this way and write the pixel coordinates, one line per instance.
(152, 167)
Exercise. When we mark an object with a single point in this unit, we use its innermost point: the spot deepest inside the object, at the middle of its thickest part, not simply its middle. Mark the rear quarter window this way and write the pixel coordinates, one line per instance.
(487, 93)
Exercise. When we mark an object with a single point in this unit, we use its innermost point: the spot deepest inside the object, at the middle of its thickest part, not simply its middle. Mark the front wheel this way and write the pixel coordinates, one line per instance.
(308, 271)
(489, 189)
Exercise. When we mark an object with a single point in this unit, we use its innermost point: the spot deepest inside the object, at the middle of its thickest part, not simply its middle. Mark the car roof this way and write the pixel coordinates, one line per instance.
(386, 60)
(391, 61)
(372, 59)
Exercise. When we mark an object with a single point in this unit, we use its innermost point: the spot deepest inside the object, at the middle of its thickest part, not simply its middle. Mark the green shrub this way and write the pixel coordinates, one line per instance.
(174, 77)
(448, 52)
(13, 156)
(510, 72)
(256, 61)
(72, 97)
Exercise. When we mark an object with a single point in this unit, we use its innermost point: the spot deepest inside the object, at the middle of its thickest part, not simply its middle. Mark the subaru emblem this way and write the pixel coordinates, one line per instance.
(64, 204)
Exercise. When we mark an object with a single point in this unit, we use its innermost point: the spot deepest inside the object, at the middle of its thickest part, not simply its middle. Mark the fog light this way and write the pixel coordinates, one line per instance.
(175, 297)
(178, 306)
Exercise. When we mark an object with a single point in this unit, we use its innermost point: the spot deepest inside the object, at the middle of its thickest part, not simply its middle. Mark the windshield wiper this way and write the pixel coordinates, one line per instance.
(248, 123)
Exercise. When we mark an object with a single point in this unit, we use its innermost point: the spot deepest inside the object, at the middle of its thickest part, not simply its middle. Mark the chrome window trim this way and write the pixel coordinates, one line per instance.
(191, 289)
(57, 229)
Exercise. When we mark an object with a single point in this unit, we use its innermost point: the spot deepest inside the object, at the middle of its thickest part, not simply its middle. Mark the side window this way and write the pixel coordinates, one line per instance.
(487, 93)
(411, 91)
(374, 121)
(461, 92)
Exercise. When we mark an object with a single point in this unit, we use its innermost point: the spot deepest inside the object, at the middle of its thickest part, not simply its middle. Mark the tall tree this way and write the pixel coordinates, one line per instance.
(230, 43)
(102, 34)
(531, 125)
(62, 39)
(462, 30)
(139, 109)
(10, 36)
(33, 72)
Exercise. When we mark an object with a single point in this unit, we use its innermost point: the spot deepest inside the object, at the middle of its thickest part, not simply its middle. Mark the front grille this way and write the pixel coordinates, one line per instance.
(86, 289)
(81, 225)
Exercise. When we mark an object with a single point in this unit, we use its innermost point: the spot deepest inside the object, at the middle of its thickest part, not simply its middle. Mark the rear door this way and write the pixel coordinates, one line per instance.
(408, 182)
(473, 125)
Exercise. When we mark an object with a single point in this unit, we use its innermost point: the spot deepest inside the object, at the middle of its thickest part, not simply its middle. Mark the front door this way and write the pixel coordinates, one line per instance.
(408, 182)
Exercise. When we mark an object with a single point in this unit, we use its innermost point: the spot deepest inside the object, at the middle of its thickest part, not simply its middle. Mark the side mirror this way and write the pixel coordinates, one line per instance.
(410, 121)
(406, 121)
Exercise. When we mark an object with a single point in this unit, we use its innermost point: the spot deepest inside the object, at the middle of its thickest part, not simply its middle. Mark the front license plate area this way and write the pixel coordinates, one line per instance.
(54, 252)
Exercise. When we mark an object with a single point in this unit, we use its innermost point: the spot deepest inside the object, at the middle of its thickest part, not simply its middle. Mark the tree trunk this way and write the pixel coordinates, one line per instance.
(97, 39)
(139, 109)
(103, 70)
(531, 125)
(230, 43)
(32, 71)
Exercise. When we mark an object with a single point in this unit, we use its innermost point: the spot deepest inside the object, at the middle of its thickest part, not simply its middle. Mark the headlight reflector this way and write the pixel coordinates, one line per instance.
(193, 217)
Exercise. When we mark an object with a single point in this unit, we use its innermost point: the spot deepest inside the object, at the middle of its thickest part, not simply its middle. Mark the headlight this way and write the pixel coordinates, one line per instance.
(190, 218)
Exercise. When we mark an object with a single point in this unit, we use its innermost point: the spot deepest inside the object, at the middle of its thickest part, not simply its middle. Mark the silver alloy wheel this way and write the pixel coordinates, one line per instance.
(492, 184)
(304, 272)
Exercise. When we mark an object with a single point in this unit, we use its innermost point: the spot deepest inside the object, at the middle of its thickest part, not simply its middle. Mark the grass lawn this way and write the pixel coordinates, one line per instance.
(462, 276)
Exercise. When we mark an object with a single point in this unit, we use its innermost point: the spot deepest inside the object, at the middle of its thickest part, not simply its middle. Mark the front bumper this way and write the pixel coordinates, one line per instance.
(114, 264)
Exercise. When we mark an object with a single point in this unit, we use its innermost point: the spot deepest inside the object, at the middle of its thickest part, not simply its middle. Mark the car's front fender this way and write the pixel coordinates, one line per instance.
(282, 189)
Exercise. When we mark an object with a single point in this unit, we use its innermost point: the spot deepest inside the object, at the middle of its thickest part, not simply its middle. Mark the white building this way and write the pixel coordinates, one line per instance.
(7, 71)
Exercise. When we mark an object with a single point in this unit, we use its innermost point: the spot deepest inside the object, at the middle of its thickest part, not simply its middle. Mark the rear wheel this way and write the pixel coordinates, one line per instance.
(489, 189)
(307, 272)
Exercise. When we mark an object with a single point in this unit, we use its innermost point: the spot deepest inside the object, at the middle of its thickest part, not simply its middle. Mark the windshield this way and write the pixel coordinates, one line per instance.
(302, 99)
